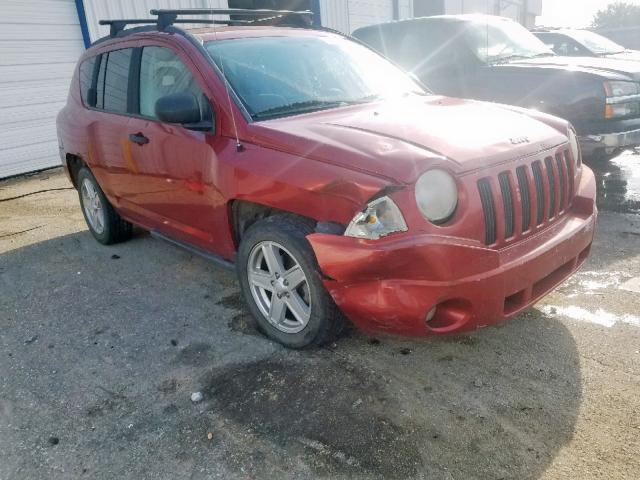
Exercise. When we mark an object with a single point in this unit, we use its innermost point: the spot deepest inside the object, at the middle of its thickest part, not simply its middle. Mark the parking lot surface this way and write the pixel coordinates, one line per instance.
(102, 347)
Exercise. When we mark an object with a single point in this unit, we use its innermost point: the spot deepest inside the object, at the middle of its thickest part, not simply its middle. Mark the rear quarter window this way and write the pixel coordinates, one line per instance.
(116, 80)
(86, 72)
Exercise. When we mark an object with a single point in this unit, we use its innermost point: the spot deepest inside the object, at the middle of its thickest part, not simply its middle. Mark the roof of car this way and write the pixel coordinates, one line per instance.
(468, 17)
(208, 34)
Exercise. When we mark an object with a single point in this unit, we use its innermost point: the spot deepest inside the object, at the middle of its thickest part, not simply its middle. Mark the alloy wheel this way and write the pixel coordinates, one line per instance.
(279, 287)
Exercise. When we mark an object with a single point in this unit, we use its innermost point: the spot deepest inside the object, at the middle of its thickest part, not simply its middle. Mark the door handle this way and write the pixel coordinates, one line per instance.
(138, 138)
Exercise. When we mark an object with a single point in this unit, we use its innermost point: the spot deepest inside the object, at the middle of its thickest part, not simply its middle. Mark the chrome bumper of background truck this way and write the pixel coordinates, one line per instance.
(610, 142)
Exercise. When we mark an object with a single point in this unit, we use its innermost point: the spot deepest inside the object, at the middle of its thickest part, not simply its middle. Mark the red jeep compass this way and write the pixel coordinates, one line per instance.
(334, 182)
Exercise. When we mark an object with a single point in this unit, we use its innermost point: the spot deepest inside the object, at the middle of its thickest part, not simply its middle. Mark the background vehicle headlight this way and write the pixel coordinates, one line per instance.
(381, 217)
(623, 99)
(575, 146)
(437, 195)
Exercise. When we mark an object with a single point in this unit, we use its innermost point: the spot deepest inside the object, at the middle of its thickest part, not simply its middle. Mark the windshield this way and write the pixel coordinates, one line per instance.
(281, 76)
(500, 40)
(596, 43)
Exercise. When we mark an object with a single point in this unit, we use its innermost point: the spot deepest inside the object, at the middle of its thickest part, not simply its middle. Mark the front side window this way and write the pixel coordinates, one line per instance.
(116, 80)
(163, 73)
(281, 76)
(499, 40)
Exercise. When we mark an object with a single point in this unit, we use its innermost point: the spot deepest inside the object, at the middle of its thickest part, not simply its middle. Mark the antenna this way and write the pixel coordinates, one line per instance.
(487, 44)
(227, 87)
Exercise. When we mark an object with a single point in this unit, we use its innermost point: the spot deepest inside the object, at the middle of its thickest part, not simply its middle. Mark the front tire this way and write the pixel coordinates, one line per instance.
(104, 223)
(280, 281)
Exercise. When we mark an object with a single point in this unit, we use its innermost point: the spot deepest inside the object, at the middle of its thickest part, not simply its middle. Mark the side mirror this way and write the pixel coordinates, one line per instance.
(182, 108)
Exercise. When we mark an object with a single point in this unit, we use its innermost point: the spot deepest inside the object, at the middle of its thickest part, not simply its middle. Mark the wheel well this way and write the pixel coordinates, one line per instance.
(244, 214)
(74, 164)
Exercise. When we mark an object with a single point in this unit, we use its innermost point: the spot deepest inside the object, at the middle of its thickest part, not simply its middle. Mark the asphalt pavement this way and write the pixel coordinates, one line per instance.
(101, 349)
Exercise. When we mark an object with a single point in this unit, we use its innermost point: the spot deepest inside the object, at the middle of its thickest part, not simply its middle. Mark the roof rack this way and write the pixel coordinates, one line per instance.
(167, 17)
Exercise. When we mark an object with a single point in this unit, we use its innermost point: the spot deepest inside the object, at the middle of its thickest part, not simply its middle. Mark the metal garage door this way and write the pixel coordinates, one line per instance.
(368, 12)
(40, 42)
(346, 16)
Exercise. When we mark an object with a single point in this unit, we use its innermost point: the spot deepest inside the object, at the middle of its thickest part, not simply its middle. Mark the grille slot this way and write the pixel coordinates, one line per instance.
(507, 200)
(563, 182)
(553, 189)
(570, 175)
(525, 199)
(488, 207)
(537, 180)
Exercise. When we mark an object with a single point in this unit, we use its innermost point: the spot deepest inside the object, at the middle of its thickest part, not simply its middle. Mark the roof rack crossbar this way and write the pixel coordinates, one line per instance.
(167, 17)
(117, 26)
(230, 11)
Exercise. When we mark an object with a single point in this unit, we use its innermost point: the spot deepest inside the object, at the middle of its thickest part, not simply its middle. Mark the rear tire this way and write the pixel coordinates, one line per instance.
(104, 223)
(280, 281)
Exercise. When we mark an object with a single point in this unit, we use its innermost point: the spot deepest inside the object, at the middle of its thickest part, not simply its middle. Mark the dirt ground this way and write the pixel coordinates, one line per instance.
(101, 348)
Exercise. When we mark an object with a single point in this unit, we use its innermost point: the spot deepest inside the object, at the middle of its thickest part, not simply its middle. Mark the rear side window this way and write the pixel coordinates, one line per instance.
(87, 69)
(163, 73)
(116, 80)
(100, 84)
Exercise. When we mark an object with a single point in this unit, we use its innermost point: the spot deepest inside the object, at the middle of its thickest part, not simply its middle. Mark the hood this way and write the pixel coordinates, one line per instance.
(400, 139)
(626, 55)
(606, 67)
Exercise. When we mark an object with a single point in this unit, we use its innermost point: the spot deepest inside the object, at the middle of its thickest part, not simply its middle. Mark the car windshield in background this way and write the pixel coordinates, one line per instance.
(500, 40)
(283, 76)
(596, 43)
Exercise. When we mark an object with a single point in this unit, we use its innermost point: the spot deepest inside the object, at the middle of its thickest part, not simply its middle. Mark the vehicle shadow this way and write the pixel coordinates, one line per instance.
(496, 404)
(115, 339)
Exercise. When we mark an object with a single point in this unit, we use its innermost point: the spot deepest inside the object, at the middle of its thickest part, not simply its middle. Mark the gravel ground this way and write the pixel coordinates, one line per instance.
(102, 347)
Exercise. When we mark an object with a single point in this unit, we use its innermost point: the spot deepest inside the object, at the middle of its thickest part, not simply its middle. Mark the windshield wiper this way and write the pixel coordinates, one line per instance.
(542, 55)
(507, 59)
(298, 108)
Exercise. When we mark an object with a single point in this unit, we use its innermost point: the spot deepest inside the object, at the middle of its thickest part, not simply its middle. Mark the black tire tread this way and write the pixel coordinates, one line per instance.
(118, 230)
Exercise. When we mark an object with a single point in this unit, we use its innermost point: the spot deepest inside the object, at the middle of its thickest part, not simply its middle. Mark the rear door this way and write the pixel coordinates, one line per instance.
(108, 104)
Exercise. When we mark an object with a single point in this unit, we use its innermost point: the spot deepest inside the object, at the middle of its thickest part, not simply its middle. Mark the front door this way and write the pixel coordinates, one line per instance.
(174, 168)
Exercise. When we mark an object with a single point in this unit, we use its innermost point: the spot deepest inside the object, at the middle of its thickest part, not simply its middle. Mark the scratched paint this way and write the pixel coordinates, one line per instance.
(598, 317)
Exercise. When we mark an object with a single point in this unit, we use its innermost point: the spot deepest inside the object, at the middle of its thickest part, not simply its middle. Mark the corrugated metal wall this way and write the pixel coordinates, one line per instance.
(40, 42)
(97, 10)
(346, 16)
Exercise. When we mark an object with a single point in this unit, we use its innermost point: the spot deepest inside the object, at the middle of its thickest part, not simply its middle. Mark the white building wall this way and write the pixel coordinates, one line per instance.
(335, 14)
(40, 42)
(346, 16)
(508, 8)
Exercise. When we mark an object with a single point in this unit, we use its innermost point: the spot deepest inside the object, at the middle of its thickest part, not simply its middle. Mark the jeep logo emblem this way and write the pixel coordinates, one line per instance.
(519, 140)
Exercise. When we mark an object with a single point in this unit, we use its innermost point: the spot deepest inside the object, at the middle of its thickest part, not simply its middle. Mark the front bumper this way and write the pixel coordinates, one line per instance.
(395, 283)
(609, 142)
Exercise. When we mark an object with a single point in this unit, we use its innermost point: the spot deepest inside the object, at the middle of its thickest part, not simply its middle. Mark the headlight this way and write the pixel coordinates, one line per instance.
(381, 218)
(575, 146)
(437, 195)
(622, 99)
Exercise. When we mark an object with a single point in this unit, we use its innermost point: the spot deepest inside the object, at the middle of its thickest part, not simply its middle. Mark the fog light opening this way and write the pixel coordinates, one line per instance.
(448, 316)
